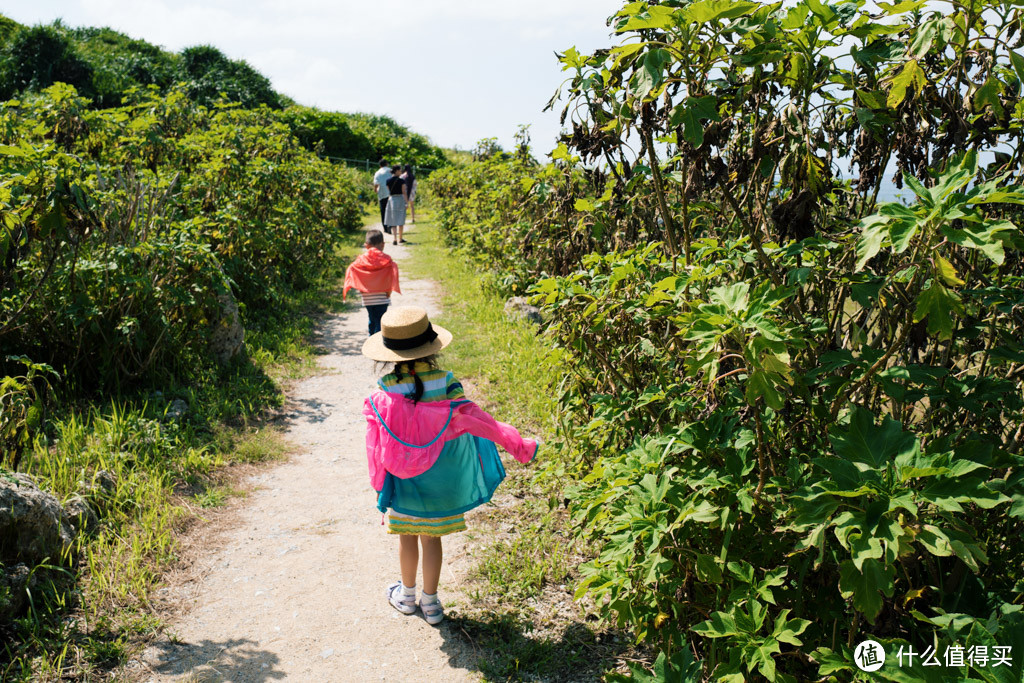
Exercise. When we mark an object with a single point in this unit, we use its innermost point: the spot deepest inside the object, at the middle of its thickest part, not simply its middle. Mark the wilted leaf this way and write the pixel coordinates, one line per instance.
(910, 77)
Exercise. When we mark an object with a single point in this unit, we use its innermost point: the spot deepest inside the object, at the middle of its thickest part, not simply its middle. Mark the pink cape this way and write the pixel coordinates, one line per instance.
(425, 428)
(372, 271)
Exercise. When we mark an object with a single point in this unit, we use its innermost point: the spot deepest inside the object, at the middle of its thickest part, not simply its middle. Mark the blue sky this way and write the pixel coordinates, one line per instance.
(454, 70)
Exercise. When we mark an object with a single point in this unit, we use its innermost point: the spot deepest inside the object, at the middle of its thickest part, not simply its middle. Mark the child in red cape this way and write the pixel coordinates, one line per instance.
(375, 275)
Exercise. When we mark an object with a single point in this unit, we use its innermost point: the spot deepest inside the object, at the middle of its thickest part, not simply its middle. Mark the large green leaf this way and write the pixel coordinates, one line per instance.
(734, 297)
(925, 36)
(720, 625)
(691, 113)
(760, 385)
(910, 77)
(652, 72)
(962, 170)
(657, 16)
(873, 230)
(866, 587)
(759, 654)
(873, 446)
(988, 96)
(708, 569)
(822, 11)
(985, 237)
(704, 11)
(935, 303)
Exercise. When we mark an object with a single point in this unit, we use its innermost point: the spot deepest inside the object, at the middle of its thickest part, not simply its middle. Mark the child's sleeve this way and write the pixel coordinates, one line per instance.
(454, 388)
(394, 277)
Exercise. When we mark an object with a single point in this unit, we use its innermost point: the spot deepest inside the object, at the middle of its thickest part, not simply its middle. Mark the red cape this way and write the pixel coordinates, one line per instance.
(373, 271)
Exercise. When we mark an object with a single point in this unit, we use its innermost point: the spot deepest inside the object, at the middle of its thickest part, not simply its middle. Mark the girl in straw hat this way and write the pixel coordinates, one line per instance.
(431, 452)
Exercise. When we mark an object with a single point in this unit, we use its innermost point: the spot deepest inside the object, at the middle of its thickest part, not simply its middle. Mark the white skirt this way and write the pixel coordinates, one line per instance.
(395, 213)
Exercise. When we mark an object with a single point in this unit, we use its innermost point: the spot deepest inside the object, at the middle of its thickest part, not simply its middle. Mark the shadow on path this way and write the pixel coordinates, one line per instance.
(507, 650)
(237, 659)
(308, 410)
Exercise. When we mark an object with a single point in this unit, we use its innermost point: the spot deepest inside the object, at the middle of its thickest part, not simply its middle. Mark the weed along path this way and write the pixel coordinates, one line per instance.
(292, 586)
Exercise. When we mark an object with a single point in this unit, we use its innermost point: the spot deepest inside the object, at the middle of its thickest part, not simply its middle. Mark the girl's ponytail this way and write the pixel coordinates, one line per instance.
(410, 369)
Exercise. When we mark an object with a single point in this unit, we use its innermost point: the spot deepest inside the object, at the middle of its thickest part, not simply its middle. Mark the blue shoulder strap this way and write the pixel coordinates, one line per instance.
(451, 407)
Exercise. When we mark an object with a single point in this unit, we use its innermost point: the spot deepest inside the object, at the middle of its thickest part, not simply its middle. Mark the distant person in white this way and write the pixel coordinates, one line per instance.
(380, 186)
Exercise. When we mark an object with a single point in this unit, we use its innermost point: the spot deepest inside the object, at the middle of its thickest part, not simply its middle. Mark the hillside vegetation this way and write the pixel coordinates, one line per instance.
(791, 415)
(103, 65)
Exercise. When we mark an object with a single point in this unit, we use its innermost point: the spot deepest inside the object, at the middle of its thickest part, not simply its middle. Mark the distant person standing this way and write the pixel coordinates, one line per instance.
(395, 213)
(410, 189)
(380, 186)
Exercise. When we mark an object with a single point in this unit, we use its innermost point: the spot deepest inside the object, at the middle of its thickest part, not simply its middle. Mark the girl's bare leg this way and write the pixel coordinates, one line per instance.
(412, 210)
(408, 558)
(432, 556)
(399, 231)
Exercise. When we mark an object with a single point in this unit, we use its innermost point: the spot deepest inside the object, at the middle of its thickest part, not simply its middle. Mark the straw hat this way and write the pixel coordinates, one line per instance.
(405, 334)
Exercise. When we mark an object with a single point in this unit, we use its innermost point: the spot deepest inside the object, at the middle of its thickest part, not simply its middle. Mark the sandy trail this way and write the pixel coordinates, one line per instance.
(293, 588)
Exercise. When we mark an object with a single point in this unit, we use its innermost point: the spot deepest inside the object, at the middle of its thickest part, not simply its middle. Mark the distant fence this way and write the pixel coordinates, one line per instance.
(369, 165)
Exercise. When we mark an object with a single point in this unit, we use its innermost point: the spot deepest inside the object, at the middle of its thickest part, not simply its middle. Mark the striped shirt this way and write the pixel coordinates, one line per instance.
(438, 385)
(376, 298)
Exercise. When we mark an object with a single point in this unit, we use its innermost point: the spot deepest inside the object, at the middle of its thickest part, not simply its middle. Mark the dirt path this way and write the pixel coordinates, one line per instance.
(294, 587)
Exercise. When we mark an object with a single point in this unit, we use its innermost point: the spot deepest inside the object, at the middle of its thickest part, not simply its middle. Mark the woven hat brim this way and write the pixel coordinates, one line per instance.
(374, 348)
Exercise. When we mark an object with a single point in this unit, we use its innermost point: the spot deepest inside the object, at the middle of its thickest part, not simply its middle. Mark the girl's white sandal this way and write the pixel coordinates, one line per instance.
(433, 612)
(406, 604)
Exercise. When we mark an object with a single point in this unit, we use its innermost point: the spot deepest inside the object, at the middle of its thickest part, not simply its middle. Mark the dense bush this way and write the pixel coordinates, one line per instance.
(361, 137)
(120, 63)
(329, 132)
(123, 226)
(104, 65)
(796, 412)
(393, 141)
(210, 76)
(37, 57)
(107, 66)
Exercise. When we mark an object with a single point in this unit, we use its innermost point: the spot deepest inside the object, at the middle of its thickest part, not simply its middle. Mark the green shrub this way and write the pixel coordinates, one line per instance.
(331, 130)
(361, 137)
(38, 57)
(209, 75)
(120, 63)
(115, 265)
(793, 411)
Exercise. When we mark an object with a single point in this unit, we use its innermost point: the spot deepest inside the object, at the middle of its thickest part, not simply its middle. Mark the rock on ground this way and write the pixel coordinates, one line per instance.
(33, 525)
(228, 334)
(519, 307)
(33, 528)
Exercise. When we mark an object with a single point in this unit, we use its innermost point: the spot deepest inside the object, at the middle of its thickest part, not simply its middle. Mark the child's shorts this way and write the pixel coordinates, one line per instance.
(407, 525)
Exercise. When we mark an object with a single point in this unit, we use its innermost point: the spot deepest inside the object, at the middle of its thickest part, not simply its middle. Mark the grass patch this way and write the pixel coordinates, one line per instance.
(519, 565)
(217, 496)
(257, 445)
(146, 462)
